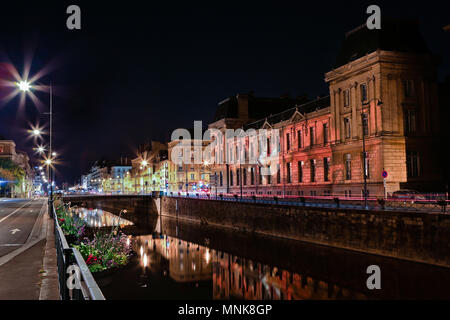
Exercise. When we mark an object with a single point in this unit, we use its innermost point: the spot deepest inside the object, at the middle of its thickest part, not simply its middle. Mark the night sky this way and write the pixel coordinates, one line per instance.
(136, 72)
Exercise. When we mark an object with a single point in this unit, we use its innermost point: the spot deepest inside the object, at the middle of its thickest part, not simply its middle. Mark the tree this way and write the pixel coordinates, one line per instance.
(12, 171)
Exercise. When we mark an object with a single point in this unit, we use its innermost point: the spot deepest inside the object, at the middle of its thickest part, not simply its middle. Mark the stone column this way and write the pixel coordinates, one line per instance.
(340, 123)
(333, 116)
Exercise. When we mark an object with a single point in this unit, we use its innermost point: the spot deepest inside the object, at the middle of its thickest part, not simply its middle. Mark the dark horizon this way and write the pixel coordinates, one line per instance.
(134, 74)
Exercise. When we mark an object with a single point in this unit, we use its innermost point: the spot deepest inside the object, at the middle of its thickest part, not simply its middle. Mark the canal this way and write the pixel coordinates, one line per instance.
(176, 259)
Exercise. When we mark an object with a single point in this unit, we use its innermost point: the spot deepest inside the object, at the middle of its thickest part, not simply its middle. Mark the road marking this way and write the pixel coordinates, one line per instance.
(9, 215)
(11, 245)
(14, 231)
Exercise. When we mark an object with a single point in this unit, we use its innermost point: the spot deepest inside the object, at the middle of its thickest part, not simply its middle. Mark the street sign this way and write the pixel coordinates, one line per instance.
(384, 174)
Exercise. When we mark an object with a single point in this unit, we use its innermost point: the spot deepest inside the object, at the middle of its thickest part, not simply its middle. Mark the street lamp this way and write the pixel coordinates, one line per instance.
(363, 121)
(24, 86)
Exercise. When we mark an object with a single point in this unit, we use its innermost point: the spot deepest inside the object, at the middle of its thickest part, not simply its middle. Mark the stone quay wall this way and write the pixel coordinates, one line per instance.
(419, 237)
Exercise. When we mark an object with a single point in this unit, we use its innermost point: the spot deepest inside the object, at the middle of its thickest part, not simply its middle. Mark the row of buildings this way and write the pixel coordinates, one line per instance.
(379, 124)
(21, 185)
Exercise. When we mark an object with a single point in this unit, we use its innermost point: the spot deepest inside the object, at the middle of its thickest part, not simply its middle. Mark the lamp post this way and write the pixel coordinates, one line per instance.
(50, 153)
(25, 86)
(363, 120)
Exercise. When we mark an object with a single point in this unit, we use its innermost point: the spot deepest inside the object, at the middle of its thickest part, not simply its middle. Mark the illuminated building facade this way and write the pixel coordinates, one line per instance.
(384, 84)
(24, 187)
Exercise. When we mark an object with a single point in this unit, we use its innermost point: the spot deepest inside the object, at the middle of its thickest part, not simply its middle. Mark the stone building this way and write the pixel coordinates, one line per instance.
(384, 84)
(8, 151)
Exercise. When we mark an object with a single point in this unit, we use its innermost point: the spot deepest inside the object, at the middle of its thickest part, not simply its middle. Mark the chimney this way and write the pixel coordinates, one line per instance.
(242, 101)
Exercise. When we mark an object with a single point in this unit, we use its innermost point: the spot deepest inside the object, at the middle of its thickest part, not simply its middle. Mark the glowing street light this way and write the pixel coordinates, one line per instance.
(24, 86)
(48, 162)
(144, 163)
(40, 149)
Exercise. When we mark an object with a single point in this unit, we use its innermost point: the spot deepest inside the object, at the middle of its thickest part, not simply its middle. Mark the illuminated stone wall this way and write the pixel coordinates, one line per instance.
(416, 236)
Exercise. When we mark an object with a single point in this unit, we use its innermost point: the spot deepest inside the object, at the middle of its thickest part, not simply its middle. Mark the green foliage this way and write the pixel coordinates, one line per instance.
(70, 223)
(104, 251)
(11, 171)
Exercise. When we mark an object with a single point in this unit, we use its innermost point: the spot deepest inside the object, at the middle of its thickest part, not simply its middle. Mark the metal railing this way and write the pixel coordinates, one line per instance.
(428, 205)
(74, 278)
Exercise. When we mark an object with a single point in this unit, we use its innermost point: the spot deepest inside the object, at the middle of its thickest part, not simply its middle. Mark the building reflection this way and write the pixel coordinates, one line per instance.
(100, 218)
(184, 261)
(237, 278)
(233, 277)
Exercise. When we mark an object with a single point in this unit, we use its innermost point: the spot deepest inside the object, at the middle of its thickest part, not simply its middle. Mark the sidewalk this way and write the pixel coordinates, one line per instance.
(30, 272)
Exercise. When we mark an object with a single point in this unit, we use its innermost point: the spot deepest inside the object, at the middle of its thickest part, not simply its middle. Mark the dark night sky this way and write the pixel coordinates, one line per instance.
(136, 72)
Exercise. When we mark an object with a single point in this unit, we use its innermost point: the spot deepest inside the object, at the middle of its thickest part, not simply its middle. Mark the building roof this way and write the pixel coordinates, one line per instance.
(311, 106)
(258, 107)
(394, 35)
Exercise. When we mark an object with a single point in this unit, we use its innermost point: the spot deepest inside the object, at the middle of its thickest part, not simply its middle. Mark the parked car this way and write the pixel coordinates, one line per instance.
(408, 195)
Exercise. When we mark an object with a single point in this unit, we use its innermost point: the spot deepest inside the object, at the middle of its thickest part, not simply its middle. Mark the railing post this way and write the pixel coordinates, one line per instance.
(67, 262)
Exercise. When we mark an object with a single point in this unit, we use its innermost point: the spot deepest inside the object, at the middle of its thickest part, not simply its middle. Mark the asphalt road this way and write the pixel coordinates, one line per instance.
(17, 218)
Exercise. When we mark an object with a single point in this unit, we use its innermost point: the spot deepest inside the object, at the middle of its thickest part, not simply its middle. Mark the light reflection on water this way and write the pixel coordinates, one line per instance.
(190, 261)
(232, 277)
(100, 218)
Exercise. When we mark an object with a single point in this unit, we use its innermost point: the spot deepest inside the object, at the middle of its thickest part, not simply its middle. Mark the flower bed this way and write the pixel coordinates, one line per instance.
(102, 250)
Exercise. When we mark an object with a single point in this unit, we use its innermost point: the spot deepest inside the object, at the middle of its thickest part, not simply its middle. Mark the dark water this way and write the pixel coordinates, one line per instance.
(179, 260)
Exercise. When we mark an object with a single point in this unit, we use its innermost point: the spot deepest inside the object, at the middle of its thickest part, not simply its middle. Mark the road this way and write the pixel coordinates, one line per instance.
(17, 219)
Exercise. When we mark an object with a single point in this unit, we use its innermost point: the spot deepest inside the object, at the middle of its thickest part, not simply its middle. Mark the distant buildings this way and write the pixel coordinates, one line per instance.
(22, 187)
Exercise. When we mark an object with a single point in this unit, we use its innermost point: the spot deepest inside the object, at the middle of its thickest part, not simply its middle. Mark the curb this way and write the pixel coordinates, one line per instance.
(49, 285)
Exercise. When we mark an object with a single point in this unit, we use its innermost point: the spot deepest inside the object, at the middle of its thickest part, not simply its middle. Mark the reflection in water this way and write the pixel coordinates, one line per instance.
(186, 262)
(100, 218)
(191, 261)
(238, 278)
(232, 277)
